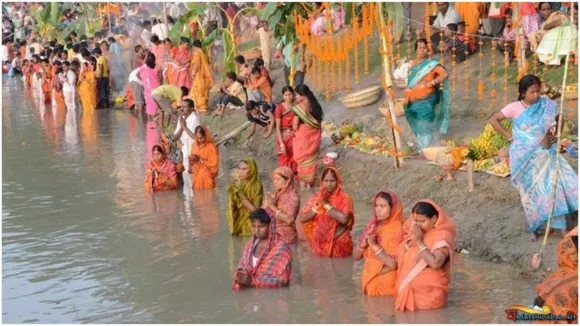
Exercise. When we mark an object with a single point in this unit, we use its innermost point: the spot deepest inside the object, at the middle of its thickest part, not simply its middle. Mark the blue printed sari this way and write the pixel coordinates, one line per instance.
(533, 168)
(421, 114)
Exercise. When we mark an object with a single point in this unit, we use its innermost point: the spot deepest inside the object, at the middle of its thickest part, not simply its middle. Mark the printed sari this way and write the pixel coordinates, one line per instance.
(533, 168)
(157, 175)
(199, 90)
(559, 290)
(418, 286)
(180, 67)
(389, 236)
(321, 230)
(286, 117)
(287, 201)
(88, 90)
(422, 102)
(204, 172)
(238, 215)
(306, 145)
(274, 265)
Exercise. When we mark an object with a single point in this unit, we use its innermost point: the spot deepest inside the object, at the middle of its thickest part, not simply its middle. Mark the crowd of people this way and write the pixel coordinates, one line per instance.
(409, 259)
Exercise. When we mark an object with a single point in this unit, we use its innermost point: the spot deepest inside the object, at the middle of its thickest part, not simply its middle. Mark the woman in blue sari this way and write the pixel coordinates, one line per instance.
(533, 157)
(424, 94)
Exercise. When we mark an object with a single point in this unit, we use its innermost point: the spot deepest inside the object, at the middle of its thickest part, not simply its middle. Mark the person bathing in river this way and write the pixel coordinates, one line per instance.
(260, 113)
(266, 260)
(283, 204)
(424, 259)
(284, 116)
(533, 157)
(203, 159)
(307, 137)
(244, 197)
(378, 244)
(161, 173)
(328, 217)
(423, 95)
(166, 96)
(186, 124)
(231, 92)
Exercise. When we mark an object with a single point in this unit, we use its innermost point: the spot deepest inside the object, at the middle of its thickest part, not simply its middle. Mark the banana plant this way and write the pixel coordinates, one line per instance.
(87, 24)
(48, 20)
(181, 26)
(280, 17)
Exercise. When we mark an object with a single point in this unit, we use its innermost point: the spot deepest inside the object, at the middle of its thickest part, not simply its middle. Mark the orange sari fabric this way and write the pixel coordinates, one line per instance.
(199, 90)
(157, 175)
(88, 90)
(389, 237)
(320, 231)
(418, 286)
(180, 67)
(421, 91)
(47, 84)
(205, 171)
(560, 289)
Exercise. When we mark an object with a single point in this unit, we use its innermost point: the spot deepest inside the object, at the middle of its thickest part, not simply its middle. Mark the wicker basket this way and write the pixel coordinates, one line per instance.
(362, 98)
(251, 54)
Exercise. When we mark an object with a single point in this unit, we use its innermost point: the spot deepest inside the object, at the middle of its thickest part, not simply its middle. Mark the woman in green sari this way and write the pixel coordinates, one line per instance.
(244, 197)
(424, 94)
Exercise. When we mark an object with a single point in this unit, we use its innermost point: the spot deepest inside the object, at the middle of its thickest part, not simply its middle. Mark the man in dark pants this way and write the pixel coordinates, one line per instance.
(102, 75)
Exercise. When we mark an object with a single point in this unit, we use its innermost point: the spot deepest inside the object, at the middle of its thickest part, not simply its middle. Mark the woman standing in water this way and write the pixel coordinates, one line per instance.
(267, 260)
(283, 204)
(87, 86)
(328, 218)
(424, 259)
(533, 157)
(151, 79)
(284, 133)
(307, 139)
(204, 159)
(378, 245)
(423, 94)
(244, 197)
(161, 173)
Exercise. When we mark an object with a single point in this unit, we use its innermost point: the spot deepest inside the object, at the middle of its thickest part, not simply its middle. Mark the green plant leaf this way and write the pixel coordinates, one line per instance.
(275, 19)
(268, 10)
(348, 12)
(208, 40)
(396, 13)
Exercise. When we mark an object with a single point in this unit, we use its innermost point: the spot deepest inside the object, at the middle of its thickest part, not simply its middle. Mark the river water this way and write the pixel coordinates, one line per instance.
(83, 243)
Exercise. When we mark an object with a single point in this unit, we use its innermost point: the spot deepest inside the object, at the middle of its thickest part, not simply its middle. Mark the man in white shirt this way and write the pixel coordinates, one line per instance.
(446, 16)
(5, 54)
(69, 86)
(160, 30)
(146, 34)
(186, 136)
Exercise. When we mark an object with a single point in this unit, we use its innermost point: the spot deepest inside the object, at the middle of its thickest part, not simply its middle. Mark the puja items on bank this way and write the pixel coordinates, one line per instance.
(349, 136)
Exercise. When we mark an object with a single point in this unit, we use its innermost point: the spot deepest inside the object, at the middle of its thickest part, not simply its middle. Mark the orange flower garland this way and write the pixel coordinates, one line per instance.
(466, 72)
(428, 27)
(346, 57)
(480, 84)
(454, 67)
(493, 93)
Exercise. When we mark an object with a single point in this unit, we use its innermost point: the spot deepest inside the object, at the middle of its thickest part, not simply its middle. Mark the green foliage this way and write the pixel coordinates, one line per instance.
(395, 12)
(195, 11)
(229, 52)
(280, 18)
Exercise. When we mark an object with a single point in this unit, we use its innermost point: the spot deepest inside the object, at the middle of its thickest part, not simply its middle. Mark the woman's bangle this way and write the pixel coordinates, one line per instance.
(314, 210)
(422, 249)
(278, 212)
(378, 251)
(328, 207)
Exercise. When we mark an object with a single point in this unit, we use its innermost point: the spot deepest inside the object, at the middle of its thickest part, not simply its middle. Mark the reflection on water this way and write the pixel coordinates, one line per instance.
(82, 241)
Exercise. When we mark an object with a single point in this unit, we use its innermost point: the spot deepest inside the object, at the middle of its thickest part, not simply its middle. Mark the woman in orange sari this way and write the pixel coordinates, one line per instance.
(378, 245)
(180, 66)
(87, 87)
(204, 159)
(424, 259)
(328, 218)
(202, 78)
(307, 138)
(559, 290)
(57, 86)
(284, 204)
(170, 52)
(46, 84)
(161, 174)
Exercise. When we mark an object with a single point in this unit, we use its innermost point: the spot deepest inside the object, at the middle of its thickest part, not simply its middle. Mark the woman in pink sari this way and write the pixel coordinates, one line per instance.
(151, 79)
(180, 65)
(307, 139)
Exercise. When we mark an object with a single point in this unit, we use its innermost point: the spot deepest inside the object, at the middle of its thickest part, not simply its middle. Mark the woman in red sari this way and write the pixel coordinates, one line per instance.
(328, 218)
(424, 259)
(284, 132)
(181, 64)
(161, 173)
(378, 245)
(307, 139)
(46, 83)
(284, 204)
(267, 260)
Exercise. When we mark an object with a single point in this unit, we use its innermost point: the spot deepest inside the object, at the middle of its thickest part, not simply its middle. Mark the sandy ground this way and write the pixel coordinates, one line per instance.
(490, 220)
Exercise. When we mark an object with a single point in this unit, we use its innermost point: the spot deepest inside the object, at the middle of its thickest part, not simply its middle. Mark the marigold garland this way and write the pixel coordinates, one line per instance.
(466, 71)
(480, 84)
(453, 67)
(493, 93)
(346, 60)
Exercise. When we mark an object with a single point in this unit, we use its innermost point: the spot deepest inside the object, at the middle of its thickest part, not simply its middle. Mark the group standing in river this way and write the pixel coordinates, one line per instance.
(410, 259)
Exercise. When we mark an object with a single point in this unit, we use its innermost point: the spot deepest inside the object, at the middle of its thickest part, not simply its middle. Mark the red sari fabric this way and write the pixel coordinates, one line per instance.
(180, 67)
(389, 236)
(156, 181)
(288, 202)
(420, 287)
(321, 229)
(286, 117)
(306, 145)
(274, 266)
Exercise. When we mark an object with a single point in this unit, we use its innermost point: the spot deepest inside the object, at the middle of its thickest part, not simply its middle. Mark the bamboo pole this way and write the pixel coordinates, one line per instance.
(389, 84)
(108, 4)
(521, 39)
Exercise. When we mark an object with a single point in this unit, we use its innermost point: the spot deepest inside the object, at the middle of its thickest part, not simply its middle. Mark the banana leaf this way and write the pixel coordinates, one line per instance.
(208, 40)
(396, 13)
(268, 10)
(177, 30)
(229, 52)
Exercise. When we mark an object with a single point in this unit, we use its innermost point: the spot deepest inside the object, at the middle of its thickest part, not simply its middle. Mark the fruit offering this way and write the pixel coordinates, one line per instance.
(489, 143)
